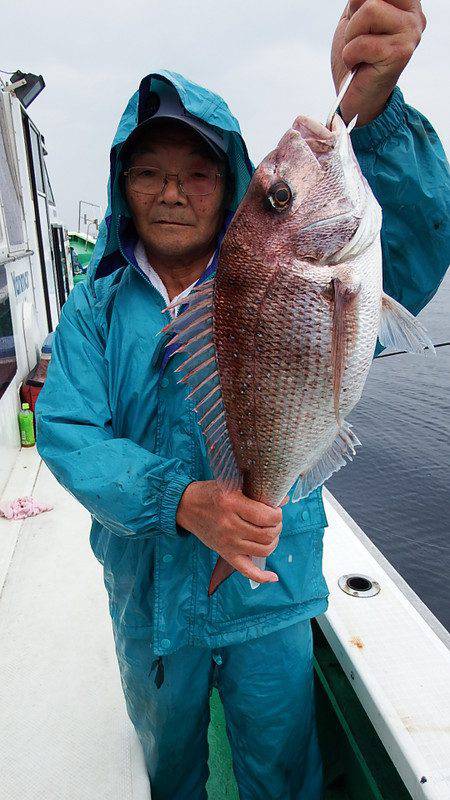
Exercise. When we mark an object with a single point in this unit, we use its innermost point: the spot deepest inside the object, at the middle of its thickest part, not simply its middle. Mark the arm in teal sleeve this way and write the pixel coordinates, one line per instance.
(402, 158)
(128, 489)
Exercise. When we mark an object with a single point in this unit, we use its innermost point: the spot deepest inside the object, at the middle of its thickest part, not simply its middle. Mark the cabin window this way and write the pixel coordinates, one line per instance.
(8, 363)
(3, 242)
(37, 165)
(59, 252)
(50, 196)
(10, 192)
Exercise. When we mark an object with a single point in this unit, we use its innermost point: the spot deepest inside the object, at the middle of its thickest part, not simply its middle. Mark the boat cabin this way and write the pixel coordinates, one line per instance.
(35, 267)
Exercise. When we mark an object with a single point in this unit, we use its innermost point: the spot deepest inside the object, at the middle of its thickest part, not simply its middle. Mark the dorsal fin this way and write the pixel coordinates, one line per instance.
(193, 329)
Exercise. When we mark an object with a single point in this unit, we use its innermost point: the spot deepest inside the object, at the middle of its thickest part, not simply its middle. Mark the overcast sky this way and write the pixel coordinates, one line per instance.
(269, 60)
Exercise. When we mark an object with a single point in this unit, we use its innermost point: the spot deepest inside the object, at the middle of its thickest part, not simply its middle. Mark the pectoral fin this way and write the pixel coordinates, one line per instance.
(343, 332)
(400, 329)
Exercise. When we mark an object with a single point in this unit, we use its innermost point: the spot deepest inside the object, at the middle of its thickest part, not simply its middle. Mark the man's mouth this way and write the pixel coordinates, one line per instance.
(170, 222)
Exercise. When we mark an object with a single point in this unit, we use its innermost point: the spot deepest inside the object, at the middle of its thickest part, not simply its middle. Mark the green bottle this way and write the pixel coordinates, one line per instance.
(26, 426)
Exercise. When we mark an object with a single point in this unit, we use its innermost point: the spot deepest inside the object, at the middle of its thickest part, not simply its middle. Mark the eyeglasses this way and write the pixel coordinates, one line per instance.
(150, 180)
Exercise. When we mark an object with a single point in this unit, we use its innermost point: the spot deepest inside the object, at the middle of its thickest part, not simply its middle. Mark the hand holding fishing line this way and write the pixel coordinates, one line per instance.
(379, 37)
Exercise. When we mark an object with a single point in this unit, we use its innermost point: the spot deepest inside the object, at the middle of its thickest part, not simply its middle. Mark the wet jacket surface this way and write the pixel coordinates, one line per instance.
(118, 432)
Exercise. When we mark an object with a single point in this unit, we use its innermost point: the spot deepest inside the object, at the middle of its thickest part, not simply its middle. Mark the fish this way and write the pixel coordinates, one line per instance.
(278, 344)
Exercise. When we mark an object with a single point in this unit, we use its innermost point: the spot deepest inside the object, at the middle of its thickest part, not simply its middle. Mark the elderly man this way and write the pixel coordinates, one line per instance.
(119, 433)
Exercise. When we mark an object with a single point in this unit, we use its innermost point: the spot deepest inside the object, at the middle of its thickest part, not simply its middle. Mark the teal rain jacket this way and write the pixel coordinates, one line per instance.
(118, 432)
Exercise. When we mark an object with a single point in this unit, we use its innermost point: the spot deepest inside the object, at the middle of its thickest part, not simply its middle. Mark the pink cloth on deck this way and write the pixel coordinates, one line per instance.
(22, 507)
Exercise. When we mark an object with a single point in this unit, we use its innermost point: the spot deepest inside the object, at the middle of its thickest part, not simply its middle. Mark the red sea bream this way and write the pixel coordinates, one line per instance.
(279, 343)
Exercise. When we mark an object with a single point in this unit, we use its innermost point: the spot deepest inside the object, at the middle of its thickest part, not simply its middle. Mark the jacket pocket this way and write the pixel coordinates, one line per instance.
(297, 561)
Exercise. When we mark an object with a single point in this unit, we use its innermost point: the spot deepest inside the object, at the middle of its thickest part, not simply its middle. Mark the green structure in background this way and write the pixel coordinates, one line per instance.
(81, 249)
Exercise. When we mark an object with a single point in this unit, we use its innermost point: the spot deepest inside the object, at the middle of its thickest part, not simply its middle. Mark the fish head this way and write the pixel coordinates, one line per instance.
(310, 197)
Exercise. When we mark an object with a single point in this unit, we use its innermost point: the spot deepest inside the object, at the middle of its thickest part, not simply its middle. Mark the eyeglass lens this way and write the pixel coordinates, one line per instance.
(150, 180)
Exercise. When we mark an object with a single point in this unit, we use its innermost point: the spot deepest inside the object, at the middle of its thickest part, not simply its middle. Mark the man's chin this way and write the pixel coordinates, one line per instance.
(173, 247)
(176, 242)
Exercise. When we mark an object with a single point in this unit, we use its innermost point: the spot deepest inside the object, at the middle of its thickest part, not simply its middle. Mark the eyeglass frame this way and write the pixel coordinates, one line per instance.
(126, 173)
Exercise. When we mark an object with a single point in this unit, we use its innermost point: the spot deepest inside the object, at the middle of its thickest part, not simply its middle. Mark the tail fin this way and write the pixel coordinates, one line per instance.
(220, 573)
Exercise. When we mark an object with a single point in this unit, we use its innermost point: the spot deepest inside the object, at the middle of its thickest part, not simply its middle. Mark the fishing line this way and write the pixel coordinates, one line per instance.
(422, 542)
(5, 72)
(401, 352)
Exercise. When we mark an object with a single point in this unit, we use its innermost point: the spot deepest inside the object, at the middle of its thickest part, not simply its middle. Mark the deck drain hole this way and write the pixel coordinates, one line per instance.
(359, 585)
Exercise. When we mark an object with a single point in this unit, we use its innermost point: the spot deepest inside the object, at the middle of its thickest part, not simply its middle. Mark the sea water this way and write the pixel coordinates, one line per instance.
(397, 488)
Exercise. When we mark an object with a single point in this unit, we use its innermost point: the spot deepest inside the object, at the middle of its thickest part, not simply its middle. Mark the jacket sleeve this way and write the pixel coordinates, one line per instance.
(128, 489)
(403, 160)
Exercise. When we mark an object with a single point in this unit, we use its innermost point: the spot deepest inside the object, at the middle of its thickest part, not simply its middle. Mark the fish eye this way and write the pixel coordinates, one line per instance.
(279, 196)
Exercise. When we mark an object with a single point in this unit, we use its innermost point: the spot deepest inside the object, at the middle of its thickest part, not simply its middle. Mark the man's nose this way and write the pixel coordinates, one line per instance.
(171, 192)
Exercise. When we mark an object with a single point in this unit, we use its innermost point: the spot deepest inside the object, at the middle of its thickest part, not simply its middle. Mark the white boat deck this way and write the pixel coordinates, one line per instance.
(396, 655)
(64, 729)
(65, 732)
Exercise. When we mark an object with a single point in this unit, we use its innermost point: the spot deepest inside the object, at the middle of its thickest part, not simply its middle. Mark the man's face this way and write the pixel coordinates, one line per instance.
(173, 225)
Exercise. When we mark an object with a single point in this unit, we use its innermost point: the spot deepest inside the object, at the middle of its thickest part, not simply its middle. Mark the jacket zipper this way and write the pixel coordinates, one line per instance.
(136, 266)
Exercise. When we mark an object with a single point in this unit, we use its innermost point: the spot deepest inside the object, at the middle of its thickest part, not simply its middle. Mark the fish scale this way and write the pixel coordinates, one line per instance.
(269, 417)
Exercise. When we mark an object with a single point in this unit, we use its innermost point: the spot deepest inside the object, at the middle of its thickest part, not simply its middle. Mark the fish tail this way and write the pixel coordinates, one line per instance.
(220, 573)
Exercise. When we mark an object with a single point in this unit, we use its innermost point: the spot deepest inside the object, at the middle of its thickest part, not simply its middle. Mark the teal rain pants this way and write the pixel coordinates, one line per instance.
(267, 690)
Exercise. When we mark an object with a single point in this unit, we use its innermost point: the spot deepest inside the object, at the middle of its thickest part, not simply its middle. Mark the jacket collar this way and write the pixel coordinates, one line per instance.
(164, 350)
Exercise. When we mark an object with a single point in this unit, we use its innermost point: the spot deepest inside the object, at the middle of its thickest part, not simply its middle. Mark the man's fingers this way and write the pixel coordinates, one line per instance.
(254, 533)
(371, 49)
(246, 567)
(374, 18)
(404, 5)
(258, 513)
(263, 550)
(379, 17)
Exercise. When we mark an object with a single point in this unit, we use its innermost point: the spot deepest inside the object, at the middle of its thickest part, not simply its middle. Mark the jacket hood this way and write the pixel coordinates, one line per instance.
(201, 103)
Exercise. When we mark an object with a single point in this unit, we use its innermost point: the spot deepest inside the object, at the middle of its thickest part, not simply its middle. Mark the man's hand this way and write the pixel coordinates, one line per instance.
(232, 525)
(380, 36)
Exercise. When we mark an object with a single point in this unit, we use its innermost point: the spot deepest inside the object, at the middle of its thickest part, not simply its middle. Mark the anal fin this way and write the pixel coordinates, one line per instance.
(400, 329)
(331, 461)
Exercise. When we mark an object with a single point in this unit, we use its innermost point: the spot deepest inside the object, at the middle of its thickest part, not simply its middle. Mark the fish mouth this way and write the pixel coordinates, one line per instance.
(319, 139)
(310, 128)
